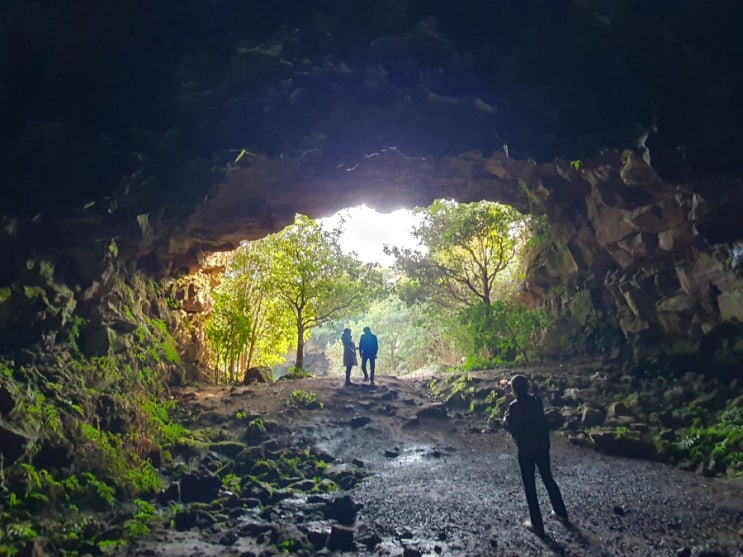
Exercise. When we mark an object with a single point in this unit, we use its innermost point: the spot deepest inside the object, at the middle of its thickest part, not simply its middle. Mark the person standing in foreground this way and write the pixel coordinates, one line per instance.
(526, 423)
(349, 354)
(368, 347)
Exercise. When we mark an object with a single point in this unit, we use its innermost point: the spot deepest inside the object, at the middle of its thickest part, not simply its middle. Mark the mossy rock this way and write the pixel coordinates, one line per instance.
(258, 375)
(230, 449)
(622, 443)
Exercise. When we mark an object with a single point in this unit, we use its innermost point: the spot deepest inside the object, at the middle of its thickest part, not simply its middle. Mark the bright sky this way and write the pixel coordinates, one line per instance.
(367, 231)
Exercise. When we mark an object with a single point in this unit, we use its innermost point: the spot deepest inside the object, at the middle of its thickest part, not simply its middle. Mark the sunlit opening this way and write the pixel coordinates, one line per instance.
(366, 232)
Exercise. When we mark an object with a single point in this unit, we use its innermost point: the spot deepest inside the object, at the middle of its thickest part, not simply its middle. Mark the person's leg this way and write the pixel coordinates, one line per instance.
(372, 366)
(364, 359)
(348, 375)
(545, 470)
(526, 464)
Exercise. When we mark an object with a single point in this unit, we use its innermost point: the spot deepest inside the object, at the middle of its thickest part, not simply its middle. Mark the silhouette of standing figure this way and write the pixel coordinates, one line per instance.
(525, 421)
(368, 347)
(349, 353)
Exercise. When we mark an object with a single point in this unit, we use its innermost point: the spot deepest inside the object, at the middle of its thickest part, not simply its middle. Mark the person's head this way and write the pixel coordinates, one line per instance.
(346, 332)
(367, 330)
(520, 386)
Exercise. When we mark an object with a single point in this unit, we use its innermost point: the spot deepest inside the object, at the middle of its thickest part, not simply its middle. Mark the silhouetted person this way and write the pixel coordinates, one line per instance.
(368, 347)
(349, 353)
(525, 421)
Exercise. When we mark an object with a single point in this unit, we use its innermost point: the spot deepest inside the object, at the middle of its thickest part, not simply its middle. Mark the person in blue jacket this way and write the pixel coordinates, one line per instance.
(368, 347)
(526, 423)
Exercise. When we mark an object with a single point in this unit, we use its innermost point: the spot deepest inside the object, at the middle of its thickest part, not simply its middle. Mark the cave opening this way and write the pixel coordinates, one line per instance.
(142, 141)
(439, 284)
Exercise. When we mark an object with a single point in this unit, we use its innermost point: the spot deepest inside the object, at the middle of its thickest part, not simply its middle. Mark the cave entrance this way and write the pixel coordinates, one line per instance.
(366, 231)
(436, 284)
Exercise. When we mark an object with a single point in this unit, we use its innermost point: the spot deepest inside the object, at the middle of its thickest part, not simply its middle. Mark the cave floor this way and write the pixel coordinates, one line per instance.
(450, 485)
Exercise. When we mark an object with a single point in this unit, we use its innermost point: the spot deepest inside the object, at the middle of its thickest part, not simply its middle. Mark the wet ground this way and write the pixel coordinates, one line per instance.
(444, 483)
(455, 489)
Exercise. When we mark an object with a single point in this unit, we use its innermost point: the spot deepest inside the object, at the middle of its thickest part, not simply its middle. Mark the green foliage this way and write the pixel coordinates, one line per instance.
(279, 288)
(315, 280)
(719, 446)
(102, 490)
(468, 247)
(74, 326)
(288, 546)
(231, 483)
(473, 260)
(42, 488)
(505, 331)
(139, 525)
(156, 421)
(249, 326)
(295, 373)
(533, 199)
(576, 164)
(256, 428)
(303, 399)
(107, 408)
(460, 385)
(241, 415)
(474, 362)
(18, 533)
(411, 337)
(435, 387)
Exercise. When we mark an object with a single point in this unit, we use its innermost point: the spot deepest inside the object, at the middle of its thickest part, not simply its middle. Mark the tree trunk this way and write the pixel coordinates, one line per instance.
(299, 364)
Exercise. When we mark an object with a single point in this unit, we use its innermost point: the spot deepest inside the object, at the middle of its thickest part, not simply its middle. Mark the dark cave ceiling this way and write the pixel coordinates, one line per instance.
(140, 106)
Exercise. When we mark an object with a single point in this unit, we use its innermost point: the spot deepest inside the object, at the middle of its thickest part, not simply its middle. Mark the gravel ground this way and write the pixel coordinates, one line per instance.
(455, 489)
(449, 484)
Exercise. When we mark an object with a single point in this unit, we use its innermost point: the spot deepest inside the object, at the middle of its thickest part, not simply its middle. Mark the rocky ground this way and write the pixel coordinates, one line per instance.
(436, 481)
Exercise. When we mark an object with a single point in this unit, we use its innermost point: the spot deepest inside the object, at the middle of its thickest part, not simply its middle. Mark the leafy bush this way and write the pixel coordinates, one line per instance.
(506, 331)
(295, 373)
(719, 447)
(304, 399)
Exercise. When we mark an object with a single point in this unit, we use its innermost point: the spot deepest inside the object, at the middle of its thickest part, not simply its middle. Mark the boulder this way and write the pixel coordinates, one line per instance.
(436, 410)
(12, 444)
(192, 518)
(340, 539)
(200, 487)
(555, 419)
(619, 414)
(621, 443)
(592, 417)
(260, 374)
(342, 509)
(7, 403)
(731, 306)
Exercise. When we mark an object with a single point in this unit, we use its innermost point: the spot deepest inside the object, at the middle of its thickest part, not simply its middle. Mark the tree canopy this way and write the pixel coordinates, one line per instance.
(468, 246)
(249, 326)
(468, 270)
(282, 286)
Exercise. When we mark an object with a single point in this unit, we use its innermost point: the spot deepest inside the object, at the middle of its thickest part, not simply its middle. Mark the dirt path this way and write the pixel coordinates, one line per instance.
(446, 484)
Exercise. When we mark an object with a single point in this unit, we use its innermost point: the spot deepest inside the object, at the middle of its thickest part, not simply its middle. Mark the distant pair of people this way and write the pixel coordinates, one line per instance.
(368, 347)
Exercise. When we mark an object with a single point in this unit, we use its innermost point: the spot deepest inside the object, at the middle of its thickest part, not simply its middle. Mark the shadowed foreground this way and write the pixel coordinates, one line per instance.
(444, 483)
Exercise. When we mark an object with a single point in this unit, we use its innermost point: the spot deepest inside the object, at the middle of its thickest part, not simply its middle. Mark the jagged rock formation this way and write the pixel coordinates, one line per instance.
(163, 132)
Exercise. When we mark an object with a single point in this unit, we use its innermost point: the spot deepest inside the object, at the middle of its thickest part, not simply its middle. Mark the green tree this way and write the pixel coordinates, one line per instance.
(507, 330)
(468, 248)
(315, 280)
(248, 326)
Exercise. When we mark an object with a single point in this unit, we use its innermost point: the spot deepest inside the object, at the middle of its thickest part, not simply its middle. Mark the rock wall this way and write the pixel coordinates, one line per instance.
(211, 128)
(660, 259)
